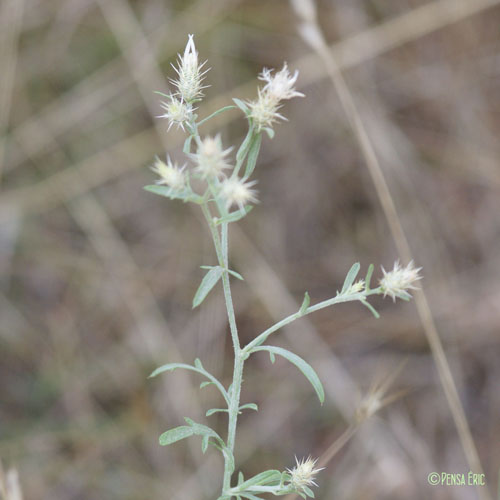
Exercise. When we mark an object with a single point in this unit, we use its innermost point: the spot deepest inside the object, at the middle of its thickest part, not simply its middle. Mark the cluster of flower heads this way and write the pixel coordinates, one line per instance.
(189, 86)
(211, 161)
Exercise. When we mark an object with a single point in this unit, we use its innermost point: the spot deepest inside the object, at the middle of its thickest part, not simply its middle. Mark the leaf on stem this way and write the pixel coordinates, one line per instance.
(170, 367)
(234, 216)
(368, 277)
(241, 105)
(249, 406)
(302, 365)
(216, 410)
(208, 282)
(305, 304)
(174, 435)
(268, 477)
(253, 154)
(351, 276)
(371, 308)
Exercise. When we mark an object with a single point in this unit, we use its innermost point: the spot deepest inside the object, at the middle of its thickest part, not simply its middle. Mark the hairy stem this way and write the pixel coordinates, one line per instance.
(221, 249)
(321, 305)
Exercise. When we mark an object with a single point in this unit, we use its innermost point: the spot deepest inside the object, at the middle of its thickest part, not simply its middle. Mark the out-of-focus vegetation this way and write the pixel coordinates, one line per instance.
(97, 276)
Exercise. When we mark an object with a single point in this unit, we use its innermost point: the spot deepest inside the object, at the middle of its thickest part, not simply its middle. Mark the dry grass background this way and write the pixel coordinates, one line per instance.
(97, 276)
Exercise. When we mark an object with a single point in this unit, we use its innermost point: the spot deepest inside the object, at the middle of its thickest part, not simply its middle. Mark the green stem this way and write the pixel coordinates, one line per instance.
(321, 305)
(221, 249)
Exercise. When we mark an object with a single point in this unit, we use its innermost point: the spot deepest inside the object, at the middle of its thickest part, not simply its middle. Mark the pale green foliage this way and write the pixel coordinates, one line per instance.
(224, 186)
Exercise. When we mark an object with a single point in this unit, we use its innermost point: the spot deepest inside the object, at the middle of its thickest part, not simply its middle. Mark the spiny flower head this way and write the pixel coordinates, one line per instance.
(210, 157)
(278, 87)
(170, 174)
(397, 282)
(238, 192)
(302, 475)
(190, 74)
(176, 111)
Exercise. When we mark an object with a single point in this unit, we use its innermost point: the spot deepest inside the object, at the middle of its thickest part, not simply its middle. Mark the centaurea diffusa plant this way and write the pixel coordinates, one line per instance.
(227, 196)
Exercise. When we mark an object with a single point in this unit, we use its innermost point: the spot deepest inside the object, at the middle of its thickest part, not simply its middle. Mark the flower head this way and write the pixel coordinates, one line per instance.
(190, 74)
(176, 111)
(278, 87)
(170, 174)
(302, 475)
(238, 192)
(397, 282)
(210, 157)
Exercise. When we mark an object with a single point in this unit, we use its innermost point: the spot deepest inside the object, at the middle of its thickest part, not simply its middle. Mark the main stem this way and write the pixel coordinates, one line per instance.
(221, 249)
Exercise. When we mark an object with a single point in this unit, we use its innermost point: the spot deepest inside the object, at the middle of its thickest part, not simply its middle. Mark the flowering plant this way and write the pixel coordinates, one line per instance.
(225, 195)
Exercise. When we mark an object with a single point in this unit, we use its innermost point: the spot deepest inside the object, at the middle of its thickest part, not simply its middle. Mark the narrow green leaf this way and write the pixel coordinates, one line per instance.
(245, 145)
(272, 357)
(302, 365)
(249, 406)
(172, 194)
(241, 478)
(371, 308)
(208, 282)
(186, 149)
(305, 303)
(215, 113)
(241, 105)
(161, 93)
(253, 154)
(169, 367)
(269, 132)
(174, 435)
(197, 364)
(351, 276)
(250, 496)
(236, 275)
(368, 277)
(264, 478)
(308, 491)
(204, 384)
(234, 216)
(204, 443)
(215, 410)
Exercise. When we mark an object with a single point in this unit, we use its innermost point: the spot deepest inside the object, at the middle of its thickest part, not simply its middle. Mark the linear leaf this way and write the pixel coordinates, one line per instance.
(249, 406)
(170, 367)
(368, 277)
(241, 105)
(351, 276)
(266, 477)
(236, 275)
(253, 154)
(207, 283)
(234, 216)
(174, 435)
(302, 365)
(215, 410)
(371, 308)
(305, 303)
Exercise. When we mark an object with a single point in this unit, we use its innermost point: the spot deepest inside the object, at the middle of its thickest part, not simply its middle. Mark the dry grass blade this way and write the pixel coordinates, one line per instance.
(11, 15)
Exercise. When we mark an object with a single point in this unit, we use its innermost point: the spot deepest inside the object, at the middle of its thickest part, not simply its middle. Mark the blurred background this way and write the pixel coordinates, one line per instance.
(97, 276)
